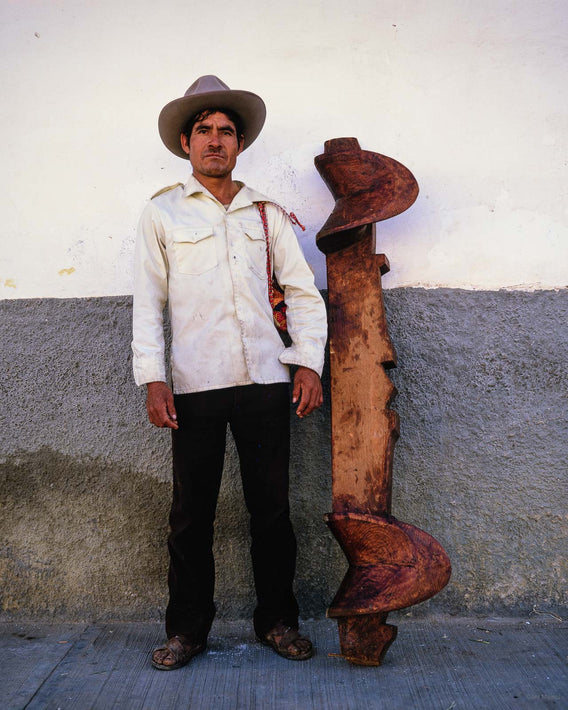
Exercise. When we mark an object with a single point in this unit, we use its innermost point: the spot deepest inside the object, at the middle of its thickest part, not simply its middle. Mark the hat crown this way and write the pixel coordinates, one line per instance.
(205, 84)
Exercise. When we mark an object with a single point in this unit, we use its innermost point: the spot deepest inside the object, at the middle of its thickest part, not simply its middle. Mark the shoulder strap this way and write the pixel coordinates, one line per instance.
(291, 216)
(166, 189)
(262, 210)
(275, 292)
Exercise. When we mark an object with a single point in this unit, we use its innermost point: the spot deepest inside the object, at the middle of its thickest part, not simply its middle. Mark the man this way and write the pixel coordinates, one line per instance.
(202, 248)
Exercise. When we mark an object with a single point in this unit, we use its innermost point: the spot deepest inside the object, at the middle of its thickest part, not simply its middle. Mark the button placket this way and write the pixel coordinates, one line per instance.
(238, 266)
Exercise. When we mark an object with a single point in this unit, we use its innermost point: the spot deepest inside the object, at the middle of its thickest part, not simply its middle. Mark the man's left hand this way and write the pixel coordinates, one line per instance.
(307, 390)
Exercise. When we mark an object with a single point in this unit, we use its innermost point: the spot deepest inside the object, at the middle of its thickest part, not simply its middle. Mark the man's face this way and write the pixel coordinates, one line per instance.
(213, 147)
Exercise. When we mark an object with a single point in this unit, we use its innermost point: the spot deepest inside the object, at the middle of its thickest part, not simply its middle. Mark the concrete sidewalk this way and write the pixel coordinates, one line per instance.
(438, 663)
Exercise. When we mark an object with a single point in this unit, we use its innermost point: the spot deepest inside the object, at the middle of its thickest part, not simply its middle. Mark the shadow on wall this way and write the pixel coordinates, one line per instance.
(87, 540)
(82, 539)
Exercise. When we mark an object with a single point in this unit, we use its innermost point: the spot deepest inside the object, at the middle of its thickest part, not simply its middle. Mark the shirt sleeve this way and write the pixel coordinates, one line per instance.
(150, 296)
(305, 314)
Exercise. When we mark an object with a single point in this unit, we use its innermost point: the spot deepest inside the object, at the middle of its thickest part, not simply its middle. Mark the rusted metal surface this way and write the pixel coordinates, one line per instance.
(392, 564)
(367, 187)
(364, 428)
(365, 639)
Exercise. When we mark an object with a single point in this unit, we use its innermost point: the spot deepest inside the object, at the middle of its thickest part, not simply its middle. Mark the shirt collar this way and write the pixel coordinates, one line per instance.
(245, 196)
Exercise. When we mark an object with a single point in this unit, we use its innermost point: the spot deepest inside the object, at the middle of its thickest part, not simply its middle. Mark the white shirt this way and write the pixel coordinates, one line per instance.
(209, 264)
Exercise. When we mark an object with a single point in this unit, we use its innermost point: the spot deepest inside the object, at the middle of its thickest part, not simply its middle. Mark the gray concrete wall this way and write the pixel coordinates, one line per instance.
(84, 479)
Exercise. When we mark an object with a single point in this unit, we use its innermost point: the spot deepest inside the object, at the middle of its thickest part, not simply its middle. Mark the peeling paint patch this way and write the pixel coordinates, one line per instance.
(66, 272)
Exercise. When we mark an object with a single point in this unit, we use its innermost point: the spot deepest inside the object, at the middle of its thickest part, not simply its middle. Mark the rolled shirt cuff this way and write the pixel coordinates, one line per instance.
(148, 371)
(303, 356)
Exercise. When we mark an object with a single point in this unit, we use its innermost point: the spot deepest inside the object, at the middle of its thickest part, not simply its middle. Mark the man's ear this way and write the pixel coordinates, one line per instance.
(184, 143)
(241, 144)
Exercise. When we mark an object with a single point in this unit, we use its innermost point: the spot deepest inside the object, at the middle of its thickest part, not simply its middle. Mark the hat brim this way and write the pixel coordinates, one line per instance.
(175, 115)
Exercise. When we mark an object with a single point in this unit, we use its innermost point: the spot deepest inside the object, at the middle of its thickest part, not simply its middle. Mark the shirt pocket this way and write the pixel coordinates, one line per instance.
(194, 249)
(255, 245)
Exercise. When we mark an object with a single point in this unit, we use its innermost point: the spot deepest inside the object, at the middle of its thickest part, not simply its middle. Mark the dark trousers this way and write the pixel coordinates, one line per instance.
(259, 418)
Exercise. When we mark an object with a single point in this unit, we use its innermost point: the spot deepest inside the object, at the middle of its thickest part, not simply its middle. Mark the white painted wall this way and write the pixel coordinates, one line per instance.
(470, 95)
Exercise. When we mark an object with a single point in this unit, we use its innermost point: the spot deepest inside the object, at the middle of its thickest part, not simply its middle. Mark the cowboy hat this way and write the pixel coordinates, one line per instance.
(210, 92)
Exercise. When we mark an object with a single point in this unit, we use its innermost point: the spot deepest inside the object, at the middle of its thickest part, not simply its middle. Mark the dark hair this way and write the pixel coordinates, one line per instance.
(201, 115)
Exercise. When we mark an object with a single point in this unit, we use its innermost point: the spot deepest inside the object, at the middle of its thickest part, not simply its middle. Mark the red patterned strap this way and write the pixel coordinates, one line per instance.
(275, 292)
(262, 209)
(292, 217)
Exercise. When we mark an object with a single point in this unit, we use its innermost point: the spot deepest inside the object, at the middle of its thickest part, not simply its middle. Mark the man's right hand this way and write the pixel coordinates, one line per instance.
(160, 405)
